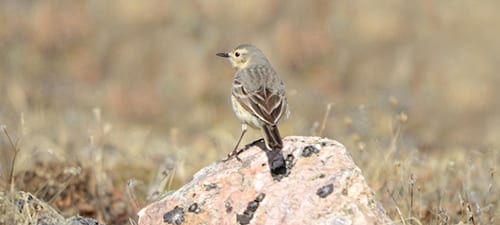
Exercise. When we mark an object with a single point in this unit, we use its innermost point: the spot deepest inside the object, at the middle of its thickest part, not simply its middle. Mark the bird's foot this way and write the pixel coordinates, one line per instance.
(236, 152)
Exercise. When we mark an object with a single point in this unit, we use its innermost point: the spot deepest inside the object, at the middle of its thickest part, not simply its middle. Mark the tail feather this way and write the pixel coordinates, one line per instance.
(274, 144)
(272, 137)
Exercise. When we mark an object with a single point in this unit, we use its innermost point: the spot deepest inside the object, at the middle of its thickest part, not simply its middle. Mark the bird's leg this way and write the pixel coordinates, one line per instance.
(235, 151)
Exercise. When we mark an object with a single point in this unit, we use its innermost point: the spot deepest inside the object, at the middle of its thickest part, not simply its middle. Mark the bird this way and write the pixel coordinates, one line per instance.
(258, 96)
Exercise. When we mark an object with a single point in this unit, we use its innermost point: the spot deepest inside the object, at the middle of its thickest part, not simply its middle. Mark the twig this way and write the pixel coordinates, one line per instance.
(132, 198)
(397, 209)
(325, 119)
(411, 182)
(16, 151)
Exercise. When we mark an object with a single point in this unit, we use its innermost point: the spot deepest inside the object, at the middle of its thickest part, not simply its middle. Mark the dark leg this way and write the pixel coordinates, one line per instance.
(235, 151)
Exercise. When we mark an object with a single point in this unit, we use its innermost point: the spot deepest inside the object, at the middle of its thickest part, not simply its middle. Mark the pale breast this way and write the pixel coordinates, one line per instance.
(244, 116)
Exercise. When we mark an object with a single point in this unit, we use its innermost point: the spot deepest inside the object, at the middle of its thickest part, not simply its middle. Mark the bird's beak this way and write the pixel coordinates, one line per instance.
(223, 54)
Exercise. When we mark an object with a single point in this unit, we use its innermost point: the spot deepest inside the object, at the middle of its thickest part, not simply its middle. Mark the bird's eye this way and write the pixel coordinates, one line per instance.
(237, 54)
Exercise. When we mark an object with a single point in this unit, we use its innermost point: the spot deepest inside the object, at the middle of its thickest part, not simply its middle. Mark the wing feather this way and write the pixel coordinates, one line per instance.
(264, 101)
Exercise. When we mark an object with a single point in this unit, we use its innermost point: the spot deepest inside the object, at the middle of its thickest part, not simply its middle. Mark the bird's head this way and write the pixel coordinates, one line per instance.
(244, 55)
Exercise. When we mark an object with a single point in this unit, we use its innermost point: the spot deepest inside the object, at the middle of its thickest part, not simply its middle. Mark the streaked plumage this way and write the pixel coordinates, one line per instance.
(258, 94)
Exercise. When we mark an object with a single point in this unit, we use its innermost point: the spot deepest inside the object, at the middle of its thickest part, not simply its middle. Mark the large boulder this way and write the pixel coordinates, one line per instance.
(322, 186)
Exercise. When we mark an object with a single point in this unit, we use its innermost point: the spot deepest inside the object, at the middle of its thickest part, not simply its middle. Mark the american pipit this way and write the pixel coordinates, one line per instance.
(257, 95)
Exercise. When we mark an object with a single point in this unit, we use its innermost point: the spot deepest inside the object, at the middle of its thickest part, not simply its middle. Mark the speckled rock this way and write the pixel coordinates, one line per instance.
(24, 208)
(322, 186)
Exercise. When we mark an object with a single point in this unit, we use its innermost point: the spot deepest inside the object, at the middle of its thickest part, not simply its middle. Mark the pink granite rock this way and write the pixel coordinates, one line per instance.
(322, 186)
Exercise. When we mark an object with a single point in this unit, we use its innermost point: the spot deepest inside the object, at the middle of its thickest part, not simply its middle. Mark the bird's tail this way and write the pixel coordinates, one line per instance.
(272, 137)
(274, 144)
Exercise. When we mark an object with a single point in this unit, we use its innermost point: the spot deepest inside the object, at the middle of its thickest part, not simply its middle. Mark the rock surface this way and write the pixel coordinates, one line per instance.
(24, 208)
(322, 186)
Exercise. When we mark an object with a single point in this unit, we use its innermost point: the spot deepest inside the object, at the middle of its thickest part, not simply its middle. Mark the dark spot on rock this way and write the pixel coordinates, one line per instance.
(174, 216)
(344, 191)
(19, 203)
(323, 143)
(243, 219)
(309, 150)
(250, 210)
(229, 207)
(290, 159)
(37, 206)
(290, 163)
(30, 197)
(194, 208)
(325, 190)
(210, 186)
(306, 152)
(260, 197)
(252, 206)
(322, 175)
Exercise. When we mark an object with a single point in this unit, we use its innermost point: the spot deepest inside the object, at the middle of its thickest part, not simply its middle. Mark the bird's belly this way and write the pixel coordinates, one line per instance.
(245, 116)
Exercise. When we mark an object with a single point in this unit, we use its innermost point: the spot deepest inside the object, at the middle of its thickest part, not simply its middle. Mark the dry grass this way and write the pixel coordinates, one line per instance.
(132, 95)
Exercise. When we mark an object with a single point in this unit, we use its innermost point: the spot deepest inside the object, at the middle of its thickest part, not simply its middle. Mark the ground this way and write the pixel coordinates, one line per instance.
(112, 105)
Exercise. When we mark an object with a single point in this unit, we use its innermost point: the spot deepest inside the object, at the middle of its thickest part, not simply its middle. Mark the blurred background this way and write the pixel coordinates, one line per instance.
(134, 88)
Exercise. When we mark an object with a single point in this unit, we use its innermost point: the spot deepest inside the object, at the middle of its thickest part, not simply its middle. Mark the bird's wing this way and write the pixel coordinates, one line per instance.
(266, 102)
